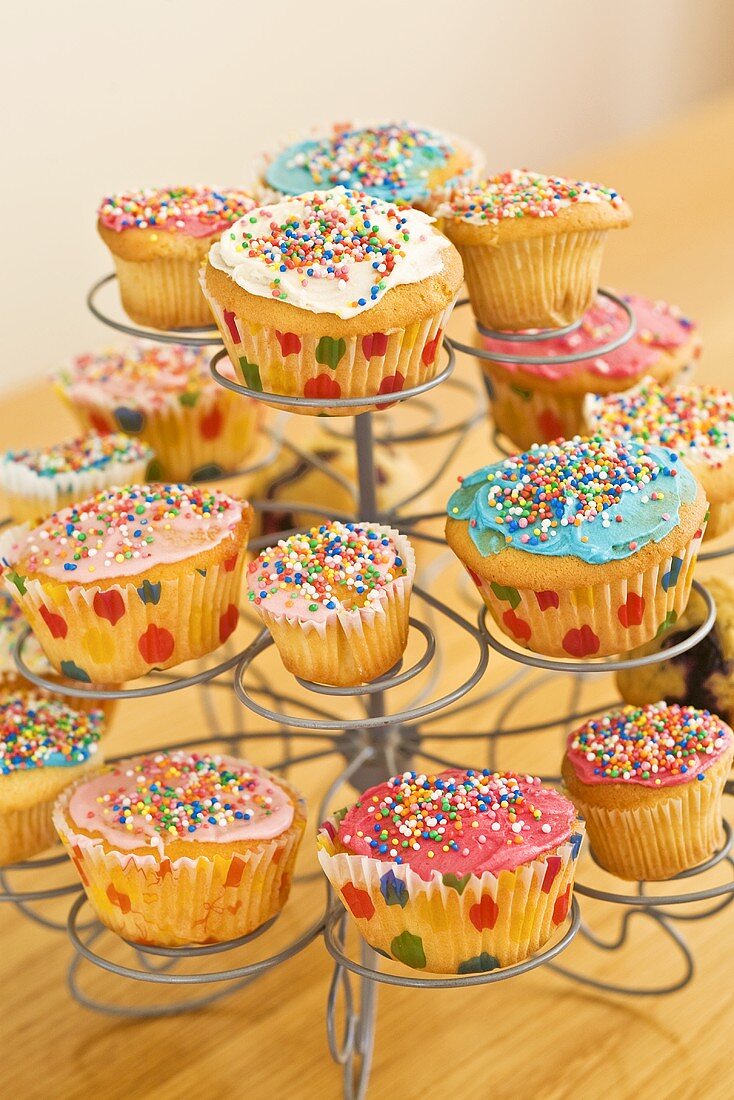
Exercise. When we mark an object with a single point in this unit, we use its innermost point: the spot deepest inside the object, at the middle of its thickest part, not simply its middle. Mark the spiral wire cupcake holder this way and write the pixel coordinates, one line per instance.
(381, 739)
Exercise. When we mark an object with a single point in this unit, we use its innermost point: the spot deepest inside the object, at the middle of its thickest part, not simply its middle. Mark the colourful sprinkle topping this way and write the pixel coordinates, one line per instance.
(184, 793)
(87, 452)
(197, 211)
(337, 566)
(40, 732)
(381, 157)
(520, 193)
(651, 743)
(698, 420)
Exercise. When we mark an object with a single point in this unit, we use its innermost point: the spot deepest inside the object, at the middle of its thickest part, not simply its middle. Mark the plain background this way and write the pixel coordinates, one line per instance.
(100, 97)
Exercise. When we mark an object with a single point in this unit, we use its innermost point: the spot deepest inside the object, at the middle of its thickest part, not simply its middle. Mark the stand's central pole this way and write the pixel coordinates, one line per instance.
(367, 495)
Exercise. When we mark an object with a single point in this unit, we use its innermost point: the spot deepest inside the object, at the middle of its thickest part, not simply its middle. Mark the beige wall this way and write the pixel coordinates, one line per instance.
(100, 96)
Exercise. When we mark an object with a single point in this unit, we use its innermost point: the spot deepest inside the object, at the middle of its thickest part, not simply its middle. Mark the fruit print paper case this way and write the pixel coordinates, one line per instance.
(454, 873)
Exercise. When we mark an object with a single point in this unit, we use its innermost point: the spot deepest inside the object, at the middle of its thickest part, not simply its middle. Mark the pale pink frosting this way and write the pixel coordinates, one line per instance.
(267, 807)
(660, 328)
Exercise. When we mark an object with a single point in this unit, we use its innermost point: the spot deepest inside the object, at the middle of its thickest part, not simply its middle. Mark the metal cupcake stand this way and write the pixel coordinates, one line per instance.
(385, 733)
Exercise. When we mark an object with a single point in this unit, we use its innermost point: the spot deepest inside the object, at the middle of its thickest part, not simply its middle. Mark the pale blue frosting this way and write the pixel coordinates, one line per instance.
(643, 519)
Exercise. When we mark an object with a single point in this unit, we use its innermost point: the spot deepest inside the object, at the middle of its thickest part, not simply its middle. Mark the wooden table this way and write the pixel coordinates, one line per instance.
(534, 1036)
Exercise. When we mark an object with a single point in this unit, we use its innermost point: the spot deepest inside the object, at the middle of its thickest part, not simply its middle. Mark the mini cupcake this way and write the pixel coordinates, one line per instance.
(37, 482)
(531, 245)
(649, 784)
(695, 421)
(539, 402)
(583, 548)
(703, 676)
(323, 473)
(158, 238)
(336, 600)
(44, 745)
(455, 873)
(165, 395)
(333, 294)
(392, 161)
(134, 578)
(178, 848)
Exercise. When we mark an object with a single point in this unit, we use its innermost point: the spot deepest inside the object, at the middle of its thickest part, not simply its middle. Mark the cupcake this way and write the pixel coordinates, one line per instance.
(166, 396)
(695, 421)
(37, 482)
(703, 676)
(180, 848)
(531, 245)
(539, 402)
(333, 294)
(158, 238)
(336, 600)
(581, 548)
(293, 481)
(392, 161)
(455, 873)
(44, 745)
(649, 782)
(134, 578)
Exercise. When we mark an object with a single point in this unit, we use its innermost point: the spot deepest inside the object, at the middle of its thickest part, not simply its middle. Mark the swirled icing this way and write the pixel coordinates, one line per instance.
(457, 821)
(660, 328)
(335, 251)
(592, 499)
(121, 532)
(191, 211)
(40, 732)
(658, 745)
(180, 796)
(391, 161)
(521, 194)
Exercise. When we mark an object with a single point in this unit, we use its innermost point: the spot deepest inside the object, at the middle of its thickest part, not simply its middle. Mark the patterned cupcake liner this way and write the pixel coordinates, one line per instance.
(595, 620)
(679, 828)
(24, 833)
(452, 924)
(107, 636)
(528, 416)
(534, 282)
(351, 647)
(193, 435)
(150, 899)
(162, 293)
(32, 498)
(303, 365)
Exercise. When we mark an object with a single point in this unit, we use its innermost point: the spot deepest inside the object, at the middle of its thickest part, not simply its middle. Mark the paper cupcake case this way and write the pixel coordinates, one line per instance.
(721, 519)
(534, 282)
(31, 497)
(192, 435)
(528, 416)
(350, 647)
(163, 293)
(679, 830)
(300, 365)
(170, 903)
(25, 833)
(107, 636)
(595, 620)
(452, 924)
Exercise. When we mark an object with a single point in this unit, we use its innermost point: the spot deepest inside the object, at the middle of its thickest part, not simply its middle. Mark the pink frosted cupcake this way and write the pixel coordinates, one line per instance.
(455, 873)
(539, 402)
(165, 395)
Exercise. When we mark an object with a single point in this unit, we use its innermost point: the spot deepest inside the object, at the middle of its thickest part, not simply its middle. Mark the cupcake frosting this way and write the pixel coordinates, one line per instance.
(142, 376)
(391, 161)
(661, 328)
(659, 745)
(336, 251)
(457, 822)
(45, 733)
(520, 194)
(180, 796)
(191, 211)
(593, 499)
(698, 421)
(333, 568)
(124, 531)
(90, 452)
